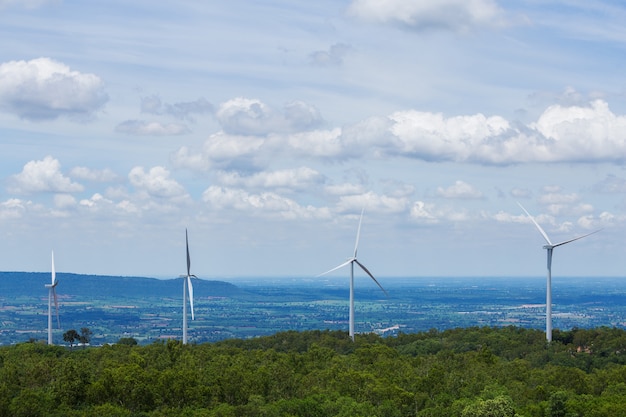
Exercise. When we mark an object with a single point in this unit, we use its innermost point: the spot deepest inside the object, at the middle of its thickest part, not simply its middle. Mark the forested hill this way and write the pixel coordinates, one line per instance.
(92, 286)
(470, 372)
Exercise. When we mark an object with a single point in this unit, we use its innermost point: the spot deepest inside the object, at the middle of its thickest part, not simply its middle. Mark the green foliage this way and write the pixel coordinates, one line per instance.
(129, 341)
(70, 337)
(468, 372)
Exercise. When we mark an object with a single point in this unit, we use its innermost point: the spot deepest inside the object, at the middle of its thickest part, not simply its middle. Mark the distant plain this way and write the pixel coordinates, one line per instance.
(149, 309)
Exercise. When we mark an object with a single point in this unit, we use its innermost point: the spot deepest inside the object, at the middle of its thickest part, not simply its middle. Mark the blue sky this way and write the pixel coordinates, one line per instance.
(265, 127)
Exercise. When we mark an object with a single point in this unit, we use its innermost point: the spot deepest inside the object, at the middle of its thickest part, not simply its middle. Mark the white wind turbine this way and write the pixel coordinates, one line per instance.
(549, 247)
(187, 286)
(52, 295)
(352, 261)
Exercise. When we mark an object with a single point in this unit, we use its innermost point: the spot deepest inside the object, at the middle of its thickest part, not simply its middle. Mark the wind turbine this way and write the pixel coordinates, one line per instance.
(187, 286)
(549, 247)
(351, 261)
(52, 295)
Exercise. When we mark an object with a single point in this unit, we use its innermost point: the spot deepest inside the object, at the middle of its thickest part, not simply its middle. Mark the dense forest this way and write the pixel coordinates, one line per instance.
(465, 372)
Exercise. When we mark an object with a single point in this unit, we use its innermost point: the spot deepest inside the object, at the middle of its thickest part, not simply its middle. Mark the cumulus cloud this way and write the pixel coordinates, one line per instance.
(290, 179)
(431, 136)
(46, 89)
(583, 132)
(102, 205)
(43, 176)
(460, 190)
(182, 110)
(372, 201)
(317, 143)
(266, 203)
(423, 213)
(223, 151)
(144, 128)
(561, 134)
(333, 56)
(428, 213)
(242, 116)
(420, 15)
(13, 208)
(156, 182)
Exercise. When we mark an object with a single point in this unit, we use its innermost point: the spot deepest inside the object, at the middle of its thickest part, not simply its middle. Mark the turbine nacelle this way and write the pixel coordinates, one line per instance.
(51, 285)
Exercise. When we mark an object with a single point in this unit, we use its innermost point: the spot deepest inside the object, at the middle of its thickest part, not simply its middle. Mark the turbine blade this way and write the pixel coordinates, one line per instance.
(56, 305)
(576, 238)
(337, 267)
(543, 233)
(371, 276)
(54, 275)
(190, 288)
(358, 232)
(188, 258)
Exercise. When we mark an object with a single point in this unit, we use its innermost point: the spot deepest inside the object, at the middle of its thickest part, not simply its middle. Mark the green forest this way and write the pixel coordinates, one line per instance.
(465, 372)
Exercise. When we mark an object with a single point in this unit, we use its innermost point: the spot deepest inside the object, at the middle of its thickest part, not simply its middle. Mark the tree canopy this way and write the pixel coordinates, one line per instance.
(471, 372)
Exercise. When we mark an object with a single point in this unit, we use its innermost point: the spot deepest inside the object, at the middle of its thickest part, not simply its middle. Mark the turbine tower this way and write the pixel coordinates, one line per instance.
(549, 247)
(353, 260)
(187, 287)
(52, 295)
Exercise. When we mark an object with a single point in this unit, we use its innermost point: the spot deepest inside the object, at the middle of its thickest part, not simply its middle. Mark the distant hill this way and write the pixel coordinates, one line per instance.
(97, 286)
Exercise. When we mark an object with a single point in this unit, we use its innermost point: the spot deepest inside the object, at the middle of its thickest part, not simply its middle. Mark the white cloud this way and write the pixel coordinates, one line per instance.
(428, 213)
(372, 202)
(144, 128)
(263, 204)
(430, 136)
(292, 179)
(460, 190)
(222, 151)
(242, 116)
(317, 143)
(13, 208)
(99, 204)
(584, 133)
(46, 89)
(156, 182)
(43, 176)
(84, 173)
(344, 189)
(561, 134)
(454, 15)
(422, 213)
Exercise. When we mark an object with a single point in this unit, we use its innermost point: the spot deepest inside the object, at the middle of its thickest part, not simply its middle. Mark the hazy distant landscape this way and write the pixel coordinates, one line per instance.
(149, 309)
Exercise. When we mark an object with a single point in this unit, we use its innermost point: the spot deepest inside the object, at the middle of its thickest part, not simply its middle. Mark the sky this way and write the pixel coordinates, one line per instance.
(265, 128)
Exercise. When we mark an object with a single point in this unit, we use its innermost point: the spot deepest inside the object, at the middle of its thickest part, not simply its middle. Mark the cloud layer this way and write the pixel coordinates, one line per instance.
(252, 133)
(455, 15)
(46, 89)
